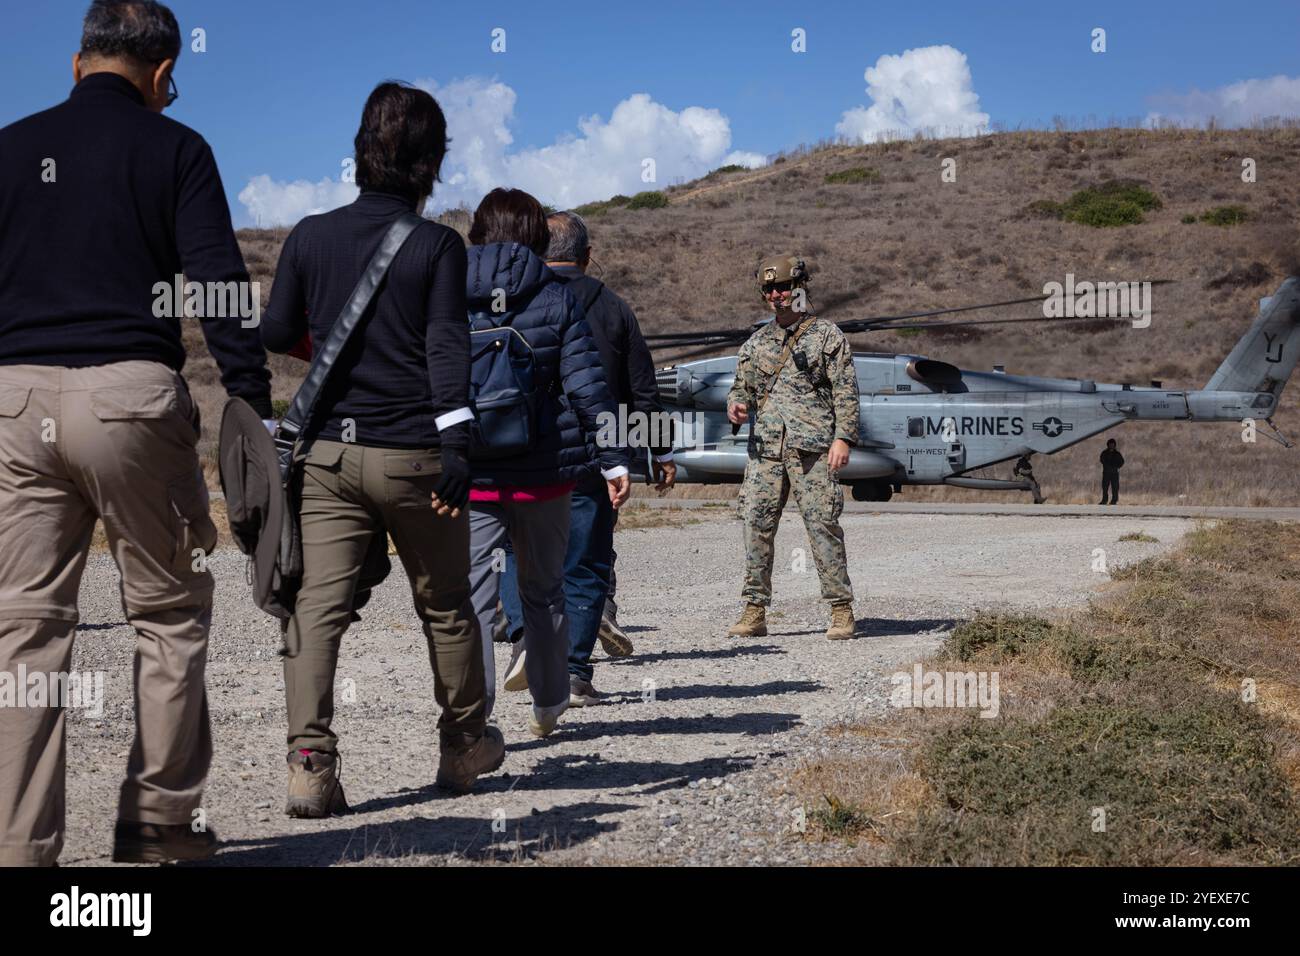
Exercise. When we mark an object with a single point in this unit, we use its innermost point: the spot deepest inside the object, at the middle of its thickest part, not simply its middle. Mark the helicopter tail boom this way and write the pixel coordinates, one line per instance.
(1265, 357)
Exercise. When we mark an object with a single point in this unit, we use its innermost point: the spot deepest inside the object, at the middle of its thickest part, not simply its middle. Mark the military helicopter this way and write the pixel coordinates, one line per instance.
(927, 422)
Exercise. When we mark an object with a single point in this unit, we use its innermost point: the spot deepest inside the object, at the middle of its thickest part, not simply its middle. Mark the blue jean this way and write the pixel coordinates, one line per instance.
(588, 564)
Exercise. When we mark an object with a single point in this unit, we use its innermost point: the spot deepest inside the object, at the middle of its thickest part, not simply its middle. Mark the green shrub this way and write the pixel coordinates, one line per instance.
(1198, 775)
(840, 819)
(651, 199)
(1119, 202)
(1225, 215)
(852, 175)
(730, 168)
(1188, 219)
(279, 407)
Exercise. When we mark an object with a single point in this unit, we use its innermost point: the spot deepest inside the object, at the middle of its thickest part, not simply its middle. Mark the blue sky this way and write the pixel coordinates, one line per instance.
(279, 90)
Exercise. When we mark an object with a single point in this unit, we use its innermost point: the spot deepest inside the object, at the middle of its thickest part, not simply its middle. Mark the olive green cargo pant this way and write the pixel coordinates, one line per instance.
(351, 494)
(114, 442)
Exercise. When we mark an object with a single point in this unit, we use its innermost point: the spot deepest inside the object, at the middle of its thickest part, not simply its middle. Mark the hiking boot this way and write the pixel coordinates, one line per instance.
(752, 623)
(464, 757)
(613, 638)
(314, 786)
(842, 623)
(543, 719)
(160, 842)
(581, 693)
(516, 676)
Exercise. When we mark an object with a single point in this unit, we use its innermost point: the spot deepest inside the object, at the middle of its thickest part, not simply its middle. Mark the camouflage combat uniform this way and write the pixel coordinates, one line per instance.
(805, 410)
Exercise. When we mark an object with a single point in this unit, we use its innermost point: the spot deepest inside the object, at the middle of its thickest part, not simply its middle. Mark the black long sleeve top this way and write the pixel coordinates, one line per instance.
(103, 204)
(403, 380)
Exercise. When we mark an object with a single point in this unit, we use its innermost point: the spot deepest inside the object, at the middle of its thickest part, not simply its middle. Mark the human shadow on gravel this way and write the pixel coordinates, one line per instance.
(697, 691)
(716, 654)
(748, 724)
(878, 627)
(471, 836)
(585, 772)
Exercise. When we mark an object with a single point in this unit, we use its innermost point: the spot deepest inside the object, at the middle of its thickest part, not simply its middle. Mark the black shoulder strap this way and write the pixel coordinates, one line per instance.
(297, 419)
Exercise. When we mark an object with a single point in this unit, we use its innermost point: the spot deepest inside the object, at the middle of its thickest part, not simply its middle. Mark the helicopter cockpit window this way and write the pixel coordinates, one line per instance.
(916, 428)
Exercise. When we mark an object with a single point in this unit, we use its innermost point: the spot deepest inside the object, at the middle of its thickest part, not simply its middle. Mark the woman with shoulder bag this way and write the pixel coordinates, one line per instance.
(385, 451)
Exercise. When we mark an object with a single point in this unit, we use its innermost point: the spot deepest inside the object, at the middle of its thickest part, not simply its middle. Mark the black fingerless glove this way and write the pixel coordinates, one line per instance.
(452, 487)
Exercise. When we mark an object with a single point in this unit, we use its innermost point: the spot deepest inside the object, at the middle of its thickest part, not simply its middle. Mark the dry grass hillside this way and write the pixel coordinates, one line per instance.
(895, 238)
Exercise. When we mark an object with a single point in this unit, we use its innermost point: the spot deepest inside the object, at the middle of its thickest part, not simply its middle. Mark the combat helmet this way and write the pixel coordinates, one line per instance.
(775, 270)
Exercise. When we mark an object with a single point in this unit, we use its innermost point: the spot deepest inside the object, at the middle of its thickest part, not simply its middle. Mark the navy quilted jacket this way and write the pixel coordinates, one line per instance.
(570, 381)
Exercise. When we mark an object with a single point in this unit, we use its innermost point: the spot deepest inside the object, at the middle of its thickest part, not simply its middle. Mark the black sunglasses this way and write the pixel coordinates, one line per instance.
(769, 287)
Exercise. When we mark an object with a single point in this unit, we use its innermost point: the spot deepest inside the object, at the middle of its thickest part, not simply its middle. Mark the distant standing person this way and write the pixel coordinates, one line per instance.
(1111, 462)
(104, 199)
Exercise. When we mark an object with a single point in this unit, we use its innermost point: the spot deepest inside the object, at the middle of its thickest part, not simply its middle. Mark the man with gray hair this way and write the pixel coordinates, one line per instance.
(589, 564)
(106, 202)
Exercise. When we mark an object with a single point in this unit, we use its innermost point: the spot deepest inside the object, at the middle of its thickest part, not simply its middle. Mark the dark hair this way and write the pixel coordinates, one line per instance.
(510, 215)
(139, 29)
(1110, 441)
(401, 141)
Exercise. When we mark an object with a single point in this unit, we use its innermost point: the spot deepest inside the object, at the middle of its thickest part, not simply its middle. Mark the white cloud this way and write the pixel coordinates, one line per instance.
(1237, 104)
(739, 157)
(273, 203)
(604, 157)
(927, 89)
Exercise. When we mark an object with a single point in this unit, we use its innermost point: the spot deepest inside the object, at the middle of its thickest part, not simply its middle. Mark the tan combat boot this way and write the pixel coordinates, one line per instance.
(314, 786)
(464, 757)
(752, 623)
(842, 623)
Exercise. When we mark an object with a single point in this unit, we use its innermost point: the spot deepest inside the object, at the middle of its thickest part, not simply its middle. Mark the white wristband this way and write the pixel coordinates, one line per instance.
(447, 419)
(612, 473)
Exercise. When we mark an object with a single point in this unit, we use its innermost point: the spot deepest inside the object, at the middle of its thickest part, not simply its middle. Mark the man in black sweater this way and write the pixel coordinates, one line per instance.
(106, 204)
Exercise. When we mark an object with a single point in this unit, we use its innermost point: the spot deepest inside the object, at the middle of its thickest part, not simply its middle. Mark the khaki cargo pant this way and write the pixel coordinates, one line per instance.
(116, 442)
(820, 498)
(350, 494)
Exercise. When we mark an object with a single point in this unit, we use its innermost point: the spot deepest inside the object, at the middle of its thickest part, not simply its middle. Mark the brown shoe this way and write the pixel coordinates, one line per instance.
(842, 623)
(464, 757)
(314, 786)
(160, 842)
(752, 623)
(613, 638)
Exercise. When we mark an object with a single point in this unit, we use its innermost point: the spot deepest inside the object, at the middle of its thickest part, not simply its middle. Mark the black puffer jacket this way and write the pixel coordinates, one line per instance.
(570, 381)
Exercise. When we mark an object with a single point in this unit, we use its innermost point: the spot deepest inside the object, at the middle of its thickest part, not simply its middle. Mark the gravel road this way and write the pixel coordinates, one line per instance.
(683, 762)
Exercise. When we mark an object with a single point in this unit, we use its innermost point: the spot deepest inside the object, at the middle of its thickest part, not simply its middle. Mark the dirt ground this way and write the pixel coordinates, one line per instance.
(682, 764)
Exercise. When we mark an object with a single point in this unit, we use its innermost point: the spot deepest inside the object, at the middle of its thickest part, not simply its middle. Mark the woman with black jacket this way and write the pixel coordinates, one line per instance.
(387, 451)
(526, 497)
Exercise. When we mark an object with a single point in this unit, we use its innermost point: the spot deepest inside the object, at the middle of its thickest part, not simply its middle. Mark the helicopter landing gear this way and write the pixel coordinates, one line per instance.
(872, 491)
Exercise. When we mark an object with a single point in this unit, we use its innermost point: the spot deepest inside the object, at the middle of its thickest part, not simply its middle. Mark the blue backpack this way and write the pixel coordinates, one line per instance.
(502, 392)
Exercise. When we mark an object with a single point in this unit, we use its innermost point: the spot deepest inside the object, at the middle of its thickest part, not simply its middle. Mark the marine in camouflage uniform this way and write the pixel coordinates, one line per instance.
(800, 412)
